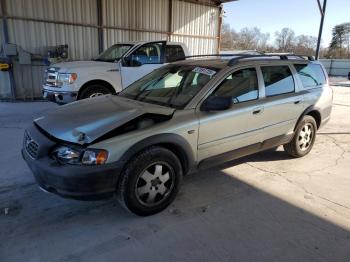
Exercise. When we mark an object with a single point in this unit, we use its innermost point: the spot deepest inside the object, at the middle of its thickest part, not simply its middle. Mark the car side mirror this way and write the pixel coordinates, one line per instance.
(217, 103)
(129, 62)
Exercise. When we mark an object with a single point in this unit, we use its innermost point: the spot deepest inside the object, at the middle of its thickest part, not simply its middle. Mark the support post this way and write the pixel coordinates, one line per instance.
(170, 19)
(219, 29)
(100, 24)
(6, 41)
(323, 13)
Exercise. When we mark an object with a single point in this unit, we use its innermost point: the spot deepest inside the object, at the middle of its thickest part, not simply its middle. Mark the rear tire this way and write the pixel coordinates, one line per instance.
(150, 182)
(93, 91)
(303, 139)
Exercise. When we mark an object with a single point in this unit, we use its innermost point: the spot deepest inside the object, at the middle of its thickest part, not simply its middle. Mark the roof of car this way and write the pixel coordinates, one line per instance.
(229, 60)
(205, 62)
(145, 42)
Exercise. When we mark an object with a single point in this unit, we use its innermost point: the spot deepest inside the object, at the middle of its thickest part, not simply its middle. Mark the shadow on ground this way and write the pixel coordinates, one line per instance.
(215, 218)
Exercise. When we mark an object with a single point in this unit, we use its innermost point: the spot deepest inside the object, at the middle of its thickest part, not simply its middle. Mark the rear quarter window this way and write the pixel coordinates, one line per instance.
(278, 80)
(311, 75)
(174, 53)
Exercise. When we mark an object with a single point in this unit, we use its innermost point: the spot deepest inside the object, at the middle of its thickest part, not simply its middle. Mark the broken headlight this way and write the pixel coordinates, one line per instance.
(73, 156)
(94, 157)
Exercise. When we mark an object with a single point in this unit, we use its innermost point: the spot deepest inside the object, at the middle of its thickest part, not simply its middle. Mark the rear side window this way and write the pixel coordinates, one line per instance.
(311, 75)
(278, 80)
(242, 86)
(174, 53)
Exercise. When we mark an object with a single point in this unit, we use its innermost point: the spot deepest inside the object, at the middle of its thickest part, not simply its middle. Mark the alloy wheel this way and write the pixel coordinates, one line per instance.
(155, 184)
(305, 136)
(95, 94)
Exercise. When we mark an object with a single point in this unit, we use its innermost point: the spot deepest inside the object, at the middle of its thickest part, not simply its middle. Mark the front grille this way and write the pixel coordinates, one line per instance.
(51, 77)
(30, 145)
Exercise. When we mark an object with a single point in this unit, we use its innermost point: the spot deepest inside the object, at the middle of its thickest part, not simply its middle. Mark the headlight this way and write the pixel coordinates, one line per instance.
(94, 157)
(66, 78)
(68, 155)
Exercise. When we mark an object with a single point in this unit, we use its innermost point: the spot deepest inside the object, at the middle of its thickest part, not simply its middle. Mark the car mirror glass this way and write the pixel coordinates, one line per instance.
(217, 103)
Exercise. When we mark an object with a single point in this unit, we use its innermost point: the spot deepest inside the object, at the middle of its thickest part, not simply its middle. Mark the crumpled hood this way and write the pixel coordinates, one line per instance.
(84, 121)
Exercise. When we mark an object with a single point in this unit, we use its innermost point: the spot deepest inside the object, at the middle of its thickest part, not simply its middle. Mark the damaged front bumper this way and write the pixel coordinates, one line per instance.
(70, 181)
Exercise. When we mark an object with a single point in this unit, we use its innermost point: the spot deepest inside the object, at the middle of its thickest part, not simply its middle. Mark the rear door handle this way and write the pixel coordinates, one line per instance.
(298, 100)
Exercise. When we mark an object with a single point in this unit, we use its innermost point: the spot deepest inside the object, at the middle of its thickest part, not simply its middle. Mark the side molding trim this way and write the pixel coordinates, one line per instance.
(244, 151)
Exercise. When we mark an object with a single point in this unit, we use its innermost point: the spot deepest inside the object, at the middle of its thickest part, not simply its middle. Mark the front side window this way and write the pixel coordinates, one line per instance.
(148, 54)
(174, 53)
(311, 75)
(242, 86)
(278, 80)
(171, 85)
(113, 53)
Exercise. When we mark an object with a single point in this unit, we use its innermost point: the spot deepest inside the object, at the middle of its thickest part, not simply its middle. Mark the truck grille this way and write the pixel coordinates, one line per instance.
(51, 76)
(30, 145)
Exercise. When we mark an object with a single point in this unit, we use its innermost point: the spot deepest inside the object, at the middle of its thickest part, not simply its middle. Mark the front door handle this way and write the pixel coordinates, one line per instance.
(258, 110)
(297, 102)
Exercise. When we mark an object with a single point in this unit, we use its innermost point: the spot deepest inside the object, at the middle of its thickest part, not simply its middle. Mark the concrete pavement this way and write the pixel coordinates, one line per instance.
(265, 207)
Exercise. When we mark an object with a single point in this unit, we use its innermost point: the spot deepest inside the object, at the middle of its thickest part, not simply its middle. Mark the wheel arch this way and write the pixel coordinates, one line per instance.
(175, 143)
(96, 82)
(311, 111)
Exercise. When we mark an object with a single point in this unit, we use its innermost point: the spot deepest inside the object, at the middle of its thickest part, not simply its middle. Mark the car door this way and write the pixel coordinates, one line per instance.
(240, 125)
(142, 61)
(283, 103)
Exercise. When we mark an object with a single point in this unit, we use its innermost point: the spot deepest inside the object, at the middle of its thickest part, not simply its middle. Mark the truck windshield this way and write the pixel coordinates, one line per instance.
(114, 53)
(172, 85)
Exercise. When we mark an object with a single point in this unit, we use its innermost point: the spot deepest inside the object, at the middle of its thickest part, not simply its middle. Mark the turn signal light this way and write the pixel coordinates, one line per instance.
(101, 157)
(5, 67)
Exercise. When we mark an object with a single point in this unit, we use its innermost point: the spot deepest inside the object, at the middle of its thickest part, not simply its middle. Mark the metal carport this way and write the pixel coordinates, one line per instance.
(89, 26)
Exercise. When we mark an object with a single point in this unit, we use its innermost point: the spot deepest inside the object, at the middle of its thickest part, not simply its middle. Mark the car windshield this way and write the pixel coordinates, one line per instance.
(114, 53)
(172, 85)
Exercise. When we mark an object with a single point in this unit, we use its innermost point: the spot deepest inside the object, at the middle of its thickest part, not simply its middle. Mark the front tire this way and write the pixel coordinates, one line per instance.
(303, 139)
(150, 181)
(93, 91)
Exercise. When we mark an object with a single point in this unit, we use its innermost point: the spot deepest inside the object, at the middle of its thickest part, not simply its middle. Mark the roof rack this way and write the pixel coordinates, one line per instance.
(224, 55)
(248, 54)
(234, 61)
(306, 57)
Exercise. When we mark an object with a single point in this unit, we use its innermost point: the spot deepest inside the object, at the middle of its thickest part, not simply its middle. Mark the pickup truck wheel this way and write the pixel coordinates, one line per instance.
(303, 139)
(150, 181)
(93, 91)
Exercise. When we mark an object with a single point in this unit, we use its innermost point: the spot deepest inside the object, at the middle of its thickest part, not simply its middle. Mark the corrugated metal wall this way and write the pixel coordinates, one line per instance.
(5, 88)
(145, 15)
(194, 19)
(33, 36)
(1, 33)
(148, 15)
(36, 24)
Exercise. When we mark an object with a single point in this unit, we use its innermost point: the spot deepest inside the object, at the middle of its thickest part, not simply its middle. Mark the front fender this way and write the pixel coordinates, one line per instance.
(175, 143)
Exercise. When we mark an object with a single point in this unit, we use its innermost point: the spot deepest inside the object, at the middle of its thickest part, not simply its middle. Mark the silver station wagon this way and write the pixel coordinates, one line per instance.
(182, 117)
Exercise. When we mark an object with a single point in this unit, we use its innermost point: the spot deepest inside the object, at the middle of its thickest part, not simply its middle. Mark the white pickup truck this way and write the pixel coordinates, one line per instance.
(113, 70)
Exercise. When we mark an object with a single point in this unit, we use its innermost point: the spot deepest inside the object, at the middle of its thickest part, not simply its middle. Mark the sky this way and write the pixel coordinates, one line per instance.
(302, 16)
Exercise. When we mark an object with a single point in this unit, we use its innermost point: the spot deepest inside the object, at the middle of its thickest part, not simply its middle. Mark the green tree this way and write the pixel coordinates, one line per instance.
(340, 43)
